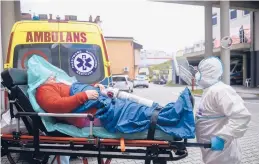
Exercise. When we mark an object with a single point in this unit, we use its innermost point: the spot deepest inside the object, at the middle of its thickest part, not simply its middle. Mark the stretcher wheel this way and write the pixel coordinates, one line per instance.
(10, 158)
(41, 159)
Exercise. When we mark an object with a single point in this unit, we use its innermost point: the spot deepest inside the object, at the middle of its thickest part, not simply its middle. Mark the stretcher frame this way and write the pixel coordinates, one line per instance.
(40, 146)
(90, 147)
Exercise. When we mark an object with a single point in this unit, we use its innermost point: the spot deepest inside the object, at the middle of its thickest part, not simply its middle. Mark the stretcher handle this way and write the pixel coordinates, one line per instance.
(190, 144)
(204, 145)
(20, 114)
(122, 144)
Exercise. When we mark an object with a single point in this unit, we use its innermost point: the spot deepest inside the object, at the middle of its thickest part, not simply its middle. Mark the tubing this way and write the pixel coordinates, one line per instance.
(115, 93)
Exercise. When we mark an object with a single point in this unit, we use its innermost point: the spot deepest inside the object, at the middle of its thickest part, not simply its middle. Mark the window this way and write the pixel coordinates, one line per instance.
(236, 67)
(118, 78)
(214, 19)
(233, 14)
(246, 12)
(22, 53)
(239, 68)
(232, 67)
(59, 55)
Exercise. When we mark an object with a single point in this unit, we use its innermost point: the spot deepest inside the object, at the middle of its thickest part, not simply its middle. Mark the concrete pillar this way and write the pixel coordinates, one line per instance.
(255, 50)
(1, 50)
(170, 74)
(2, 105)
(173, 73)
(255, 21)
(10, 13)
(208, 29)
(17, 11)
(244, 69)
(224, 31)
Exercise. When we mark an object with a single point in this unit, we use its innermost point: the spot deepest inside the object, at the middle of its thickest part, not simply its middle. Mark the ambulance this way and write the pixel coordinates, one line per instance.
(76, 47)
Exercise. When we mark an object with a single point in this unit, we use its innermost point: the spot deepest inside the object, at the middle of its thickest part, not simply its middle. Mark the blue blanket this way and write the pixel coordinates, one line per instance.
(125, 116)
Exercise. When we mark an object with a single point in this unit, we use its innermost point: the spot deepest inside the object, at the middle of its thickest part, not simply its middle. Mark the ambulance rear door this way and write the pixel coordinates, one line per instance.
(81, 51)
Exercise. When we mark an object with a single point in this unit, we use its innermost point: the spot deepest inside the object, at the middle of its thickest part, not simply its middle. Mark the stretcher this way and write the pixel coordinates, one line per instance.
(40, 143)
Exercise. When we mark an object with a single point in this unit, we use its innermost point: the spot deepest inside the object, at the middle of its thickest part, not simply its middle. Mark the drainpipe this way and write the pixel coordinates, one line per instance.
(208, 29)
(252, 50)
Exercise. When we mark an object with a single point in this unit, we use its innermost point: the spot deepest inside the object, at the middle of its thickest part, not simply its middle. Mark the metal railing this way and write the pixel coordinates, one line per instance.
(185, 74)
(236, 39)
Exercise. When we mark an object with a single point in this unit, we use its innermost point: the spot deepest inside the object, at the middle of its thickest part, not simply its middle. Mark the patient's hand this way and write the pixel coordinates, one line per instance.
(100, 86)
(92, 94)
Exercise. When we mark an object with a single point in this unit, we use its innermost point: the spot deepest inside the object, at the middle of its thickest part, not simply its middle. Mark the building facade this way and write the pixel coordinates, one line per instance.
(124, 55)
(240, 27)
(153, 57)
(238, 18)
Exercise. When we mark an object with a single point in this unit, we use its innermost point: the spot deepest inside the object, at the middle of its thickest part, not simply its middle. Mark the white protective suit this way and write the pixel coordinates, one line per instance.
(221, 113)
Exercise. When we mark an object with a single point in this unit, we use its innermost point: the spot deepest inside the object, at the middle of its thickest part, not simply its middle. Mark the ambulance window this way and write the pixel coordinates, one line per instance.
(23, 52)
(83, 61)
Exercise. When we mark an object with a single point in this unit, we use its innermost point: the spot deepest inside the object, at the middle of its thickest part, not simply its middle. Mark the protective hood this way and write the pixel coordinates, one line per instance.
(210, 71)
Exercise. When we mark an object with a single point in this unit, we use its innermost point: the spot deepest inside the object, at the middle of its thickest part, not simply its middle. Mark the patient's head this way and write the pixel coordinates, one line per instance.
(51, 79)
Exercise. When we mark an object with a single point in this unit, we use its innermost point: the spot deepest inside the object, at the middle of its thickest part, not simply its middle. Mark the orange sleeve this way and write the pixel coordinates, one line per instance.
(51, 101)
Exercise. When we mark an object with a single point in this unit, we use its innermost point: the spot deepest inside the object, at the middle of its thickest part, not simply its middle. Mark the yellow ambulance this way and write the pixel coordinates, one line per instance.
(76, 47)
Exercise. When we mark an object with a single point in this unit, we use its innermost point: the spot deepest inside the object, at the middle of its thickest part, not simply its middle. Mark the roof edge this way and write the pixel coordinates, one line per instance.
(118, 38)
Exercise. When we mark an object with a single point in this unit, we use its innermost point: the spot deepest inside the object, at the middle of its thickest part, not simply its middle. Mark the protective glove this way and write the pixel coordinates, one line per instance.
(92, 94)
(217, 143)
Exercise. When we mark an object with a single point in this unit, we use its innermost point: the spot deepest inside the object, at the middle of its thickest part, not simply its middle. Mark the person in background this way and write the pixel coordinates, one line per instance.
(222, 117)
(53, 97)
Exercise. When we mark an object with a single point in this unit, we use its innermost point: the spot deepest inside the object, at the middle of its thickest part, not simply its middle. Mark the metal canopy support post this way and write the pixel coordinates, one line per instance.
(224, 31)
(208, 29)
(252, 48)
(244, 69)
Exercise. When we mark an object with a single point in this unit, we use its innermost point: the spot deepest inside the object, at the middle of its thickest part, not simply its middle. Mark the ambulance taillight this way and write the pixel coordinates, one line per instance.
(106, 54)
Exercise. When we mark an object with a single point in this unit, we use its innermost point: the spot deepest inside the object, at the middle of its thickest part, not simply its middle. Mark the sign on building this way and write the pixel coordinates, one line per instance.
(226, 42)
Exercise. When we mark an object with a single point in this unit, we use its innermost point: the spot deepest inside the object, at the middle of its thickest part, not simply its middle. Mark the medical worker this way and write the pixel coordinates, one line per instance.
(222, 117)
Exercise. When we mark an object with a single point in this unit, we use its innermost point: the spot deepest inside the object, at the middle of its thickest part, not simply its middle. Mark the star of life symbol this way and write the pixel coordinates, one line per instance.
(83, 63)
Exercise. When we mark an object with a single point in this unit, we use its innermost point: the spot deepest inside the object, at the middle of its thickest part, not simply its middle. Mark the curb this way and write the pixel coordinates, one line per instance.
(245, 98)
(242, 92)
(250, 98)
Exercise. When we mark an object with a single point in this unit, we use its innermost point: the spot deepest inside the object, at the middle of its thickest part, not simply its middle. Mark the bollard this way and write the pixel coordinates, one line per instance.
(192, 84)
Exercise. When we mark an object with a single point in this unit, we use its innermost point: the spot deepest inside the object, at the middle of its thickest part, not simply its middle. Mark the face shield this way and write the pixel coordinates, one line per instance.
(210, 71)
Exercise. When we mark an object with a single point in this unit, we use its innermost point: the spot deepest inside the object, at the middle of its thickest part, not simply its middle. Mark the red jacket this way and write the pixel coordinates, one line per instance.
(55, 98)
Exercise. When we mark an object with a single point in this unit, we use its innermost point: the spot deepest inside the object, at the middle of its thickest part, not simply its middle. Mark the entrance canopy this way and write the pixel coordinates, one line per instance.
(224, 25)
(240, 5)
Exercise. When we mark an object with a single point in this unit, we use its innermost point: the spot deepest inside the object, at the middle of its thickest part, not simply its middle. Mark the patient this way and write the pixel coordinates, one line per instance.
(53, 97)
